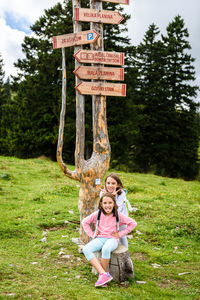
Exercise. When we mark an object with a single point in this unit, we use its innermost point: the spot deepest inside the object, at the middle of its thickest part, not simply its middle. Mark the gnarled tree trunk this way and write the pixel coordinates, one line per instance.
(89, 172)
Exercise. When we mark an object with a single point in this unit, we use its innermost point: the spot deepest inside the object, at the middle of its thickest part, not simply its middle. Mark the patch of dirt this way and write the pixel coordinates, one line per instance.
(139, 256)
(172, 283)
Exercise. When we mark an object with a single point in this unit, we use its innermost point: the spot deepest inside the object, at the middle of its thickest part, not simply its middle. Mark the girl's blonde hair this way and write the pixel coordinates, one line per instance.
(114, 211)
(116, 178)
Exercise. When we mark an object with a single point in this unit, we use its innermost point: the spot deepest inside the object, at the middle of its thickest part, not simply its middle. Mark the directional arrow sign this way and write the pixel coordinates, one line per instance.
(100, 57)
(99, 16)
(99, 73)
(73, 39)
(101, 88)
(118, 1)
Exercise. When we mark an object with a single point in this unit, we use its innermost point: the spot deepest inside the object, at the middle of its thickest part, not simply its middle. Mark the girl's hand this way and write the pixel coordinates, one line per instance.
(116, 235)
(103, 190)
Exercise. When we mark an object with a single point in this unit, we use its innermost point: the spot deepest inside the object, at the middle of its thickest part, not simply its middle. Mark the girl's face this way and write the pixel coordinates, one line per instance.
(107, 204)
(111, 185)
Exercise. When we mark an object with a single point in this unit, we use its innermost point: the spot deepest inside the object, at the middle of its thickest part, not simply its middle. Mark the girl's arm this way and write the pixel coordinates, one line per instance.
(124, 220)
(87, 221)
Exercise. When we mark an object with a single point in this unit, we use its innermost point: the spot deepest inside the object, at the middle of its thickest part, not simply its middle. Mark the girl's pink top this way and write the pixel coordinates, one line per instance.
(108, 225)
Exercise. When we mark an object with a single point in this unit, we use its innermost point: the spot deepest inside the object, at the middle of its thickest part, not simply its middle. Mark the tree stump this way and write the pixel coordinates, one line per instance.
(120, 266)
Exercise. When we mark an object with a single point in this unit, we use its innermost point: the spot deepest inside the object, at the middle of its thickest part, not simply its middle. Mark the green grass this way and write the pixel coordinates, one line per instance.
(35, 202)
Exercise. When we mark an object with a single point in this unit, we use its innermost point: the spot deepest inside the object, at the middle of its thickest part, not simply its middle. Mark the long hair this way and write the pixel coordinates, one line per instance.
(114, 211)
(119, 183)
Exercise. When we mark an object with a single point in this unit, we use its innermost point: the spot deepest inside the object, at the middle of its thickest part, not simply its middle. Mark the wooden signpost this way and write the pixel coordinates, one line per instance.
(100, 57)
(73, 39)
(93, 15)
(90, 173)
(101, 88)
(118, 1)
(99, 73)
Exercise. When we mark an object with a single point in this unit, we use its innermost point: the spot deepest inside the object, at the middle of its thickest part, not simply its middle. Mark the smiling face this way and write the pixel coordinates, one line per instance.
(111, 185)
(107, 204)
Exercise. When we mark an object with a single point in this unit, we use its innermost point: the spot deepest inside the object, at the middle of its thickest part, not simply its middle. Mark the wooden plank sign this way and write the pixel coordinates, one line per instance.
(98, 16)
(118, 1)
(101, 88)
(100, 57)
(73, 39)
(99, 73)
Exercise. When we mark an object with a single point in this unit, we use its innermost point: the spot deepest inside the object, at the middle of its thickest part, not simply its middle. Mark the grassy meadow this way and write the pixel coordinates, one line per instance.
(39, 217)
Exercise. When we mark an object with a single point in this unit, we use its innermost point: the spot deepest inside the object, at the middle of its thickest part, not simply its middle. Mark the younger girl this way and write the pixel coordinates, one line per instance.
(114, 186)
(106, 236)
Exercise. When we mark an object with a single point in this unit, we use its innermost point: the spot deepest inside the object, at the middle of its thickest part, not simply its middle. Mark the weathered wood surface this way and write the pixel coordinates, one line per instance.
(98, 16)
(118, 1)
(100, 57)
(101, 88)
(90, 171)
(73, 39)
(99, 73)
(120, 266)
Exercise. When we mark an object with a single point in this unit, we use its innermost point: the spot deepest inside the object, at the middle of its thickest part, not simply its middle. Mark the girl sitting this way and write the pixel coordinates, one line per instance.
(106, 236)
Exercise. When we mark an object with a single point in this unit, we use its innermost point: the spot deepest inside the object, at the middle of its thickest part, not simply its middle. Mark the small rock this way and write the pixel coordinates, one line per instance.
(44, 240)
(140, 282)
(134, 209)
(78, 277)
(53, 219)
(64, 236)
(130, 236)
(71, 212)
(138, 232)
(67, 256)
(44, 233)
(185, 273)
(80, 249)
(76, 240)
(155, 266)
(34, 263)
(61, 253)
(124, 283)
(66, 222)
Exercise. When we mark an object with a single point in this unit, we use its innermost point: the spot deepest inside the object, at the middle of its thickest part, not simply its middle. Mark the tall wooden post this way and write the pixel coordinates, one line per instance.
(89, 172)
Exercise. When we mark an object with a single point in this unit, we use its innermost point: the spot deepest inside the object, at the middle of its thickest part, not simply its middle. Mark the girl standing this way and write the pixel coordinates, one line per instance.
(114, 186)
(106, 236)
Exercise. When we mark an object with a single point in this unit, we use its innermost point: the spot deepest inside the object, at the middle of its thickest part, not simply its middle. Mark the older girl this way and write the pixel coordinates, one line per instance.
(113, 185)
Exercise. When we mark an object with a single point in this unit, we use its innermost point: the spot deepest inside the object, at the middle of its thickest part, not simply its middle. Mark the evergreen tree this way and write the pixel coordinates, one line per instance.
(151, 143)
(167, 138)
(2, 92)
(183, 140)
(2, 102)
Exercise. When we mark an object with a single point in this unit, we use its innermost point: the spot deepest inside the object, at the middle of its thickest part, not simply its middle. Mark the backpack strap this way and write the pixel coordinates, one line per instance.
(98, 220)
(117, 220)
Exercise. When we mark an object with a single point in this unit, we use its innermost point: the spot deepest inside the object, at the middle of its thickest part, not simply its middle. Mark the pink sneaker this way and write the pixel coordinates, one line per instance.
(103, 278)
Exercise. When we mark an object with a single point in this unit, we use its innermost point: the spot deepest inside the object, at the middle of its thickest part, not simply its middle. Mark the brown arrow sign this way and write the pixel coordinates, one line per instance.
(100, 57)
(118, 1)
(101, 88)
(73, 39)
(98, 16)
(99, 73)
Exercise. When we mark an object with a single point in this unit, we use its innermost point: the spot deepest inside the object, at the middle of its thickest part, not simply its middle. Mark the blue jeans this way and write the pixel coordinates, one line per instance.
(106, 245)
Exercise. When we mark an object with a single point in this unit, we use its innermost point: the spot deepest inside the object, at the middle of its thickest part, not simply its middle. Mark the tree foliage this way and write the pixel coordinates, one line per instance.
(167, 141)
(155, 128)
